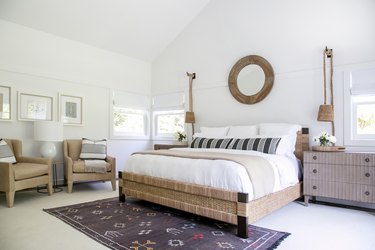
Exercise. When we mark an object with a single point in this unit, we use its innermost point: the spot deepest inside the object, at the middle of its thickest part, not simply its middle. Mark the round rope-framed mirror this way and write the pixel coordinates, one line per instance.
(251, 79)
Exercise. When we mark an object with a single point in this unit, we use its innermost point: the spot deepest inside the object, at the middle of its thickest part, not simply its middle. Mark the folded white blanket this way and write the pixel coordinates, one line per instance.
(96, 166)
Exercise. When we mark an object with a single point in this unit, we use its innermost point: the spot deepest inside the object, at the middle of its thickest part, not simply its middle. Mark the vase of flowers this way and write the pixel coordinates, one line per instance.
(326, 143)
(325, 140)
(180, 137)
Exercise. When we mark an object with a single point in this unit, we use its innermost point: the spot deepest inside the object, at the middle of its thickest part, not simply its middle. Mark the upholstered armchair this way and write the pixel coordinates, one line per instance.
(75, 169)
(27, 172)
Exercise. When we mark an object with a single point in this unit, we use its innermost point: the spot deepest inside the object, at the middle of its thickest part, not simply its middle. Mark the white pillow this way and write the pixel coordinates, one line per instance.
(92, 149)
(242, 131)
(214, 132)
(6, 154)
(195, 135)
(287, 145)
(278, 129)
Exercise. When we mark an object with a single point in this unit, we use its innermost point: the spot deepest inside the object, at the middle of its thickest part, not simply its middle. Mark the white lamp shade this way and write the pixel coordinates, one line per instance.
(48, 131)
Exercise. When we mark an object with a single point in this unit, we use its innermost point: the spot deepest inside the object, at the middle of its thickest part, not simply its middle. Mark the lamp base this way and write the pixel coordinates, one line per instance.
(48, 150)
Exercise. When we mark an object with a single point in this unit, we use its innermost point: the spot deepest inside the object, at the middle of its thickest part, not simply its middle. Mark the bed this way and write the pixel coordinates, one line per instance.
(235, 206)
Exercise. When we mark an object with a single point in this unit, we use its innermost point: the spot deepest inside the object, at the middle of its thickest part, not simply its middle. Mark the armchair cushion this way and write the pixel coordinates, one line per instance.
(93, 149)
(6, 153)
(29, 170)
(79, 167)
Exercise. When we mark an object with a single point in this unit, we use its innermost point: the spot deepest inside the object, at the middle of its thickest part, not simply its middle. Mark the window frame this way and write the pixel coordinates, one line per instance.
(129, 136)
(354, 117)
(351, 138)
(165, 136)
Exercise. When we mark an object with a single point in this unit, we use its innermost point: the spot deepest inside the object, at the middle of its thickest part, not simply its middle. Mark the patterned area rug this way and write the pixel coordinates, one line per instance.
(140, 225)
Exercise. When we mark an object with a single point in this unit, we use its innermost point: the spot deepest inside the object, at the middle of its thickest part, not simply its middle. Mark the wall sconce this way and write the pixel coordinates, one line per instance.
(326, 111)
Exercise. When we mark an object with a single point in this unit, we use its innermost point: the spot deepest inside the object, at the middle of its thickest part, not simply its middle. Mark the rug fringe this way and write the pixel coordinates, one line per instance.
(278, 242)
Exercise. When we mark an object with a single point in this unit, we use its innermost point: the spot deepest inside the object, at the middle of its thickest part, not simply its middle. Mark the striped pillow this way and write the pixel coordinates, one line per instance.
(93, 149)
(265, 145)
(6, 154)
(200, 142)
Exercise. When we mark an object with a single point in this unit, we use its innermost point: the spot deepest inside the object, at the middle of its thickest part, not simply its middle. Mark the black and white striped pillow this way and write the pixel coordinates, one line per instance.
(93, 149)
(265, 145)
(6, 154)
(201, 142)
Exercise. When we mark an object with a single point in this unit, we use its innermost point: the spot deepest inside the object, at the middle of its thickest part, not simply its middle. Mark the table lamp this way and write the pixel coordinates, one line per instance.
(48, 132)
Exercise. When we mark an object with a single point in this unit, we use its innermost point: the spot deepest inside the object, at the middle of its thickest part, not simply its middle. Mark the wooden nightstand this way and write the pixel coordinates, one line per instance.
(168, 146)
(339, 175)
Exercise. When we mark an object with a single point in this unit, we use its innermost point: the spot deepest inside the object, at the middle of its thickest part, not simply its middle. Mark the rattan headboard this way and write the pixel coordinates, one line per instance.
(302, 143)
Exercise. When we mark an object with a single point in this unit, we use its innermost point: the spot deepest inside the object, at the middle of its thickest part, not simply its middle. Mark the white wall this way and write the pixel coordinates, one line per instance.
(291, 35)
(35, 62)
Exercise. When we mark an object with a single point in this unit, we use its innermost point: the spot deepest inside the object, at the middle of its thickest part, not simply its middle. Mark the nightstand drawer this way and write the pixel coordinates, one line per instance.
(340, 173)
(340, 158)
(354, 192)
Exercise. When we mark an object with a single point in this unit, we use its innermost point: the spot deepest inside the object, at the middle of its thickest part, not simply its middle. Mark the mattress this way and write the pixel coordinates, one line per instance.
(221, 174)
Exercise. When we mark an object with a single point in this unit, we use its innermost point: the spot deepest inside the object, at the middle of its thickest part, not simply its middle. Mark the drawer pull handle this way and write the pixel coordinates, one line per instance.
(367, 174)
(314, 187)
(367, 193)
(315, 171)
(367, 159)
(314, 157)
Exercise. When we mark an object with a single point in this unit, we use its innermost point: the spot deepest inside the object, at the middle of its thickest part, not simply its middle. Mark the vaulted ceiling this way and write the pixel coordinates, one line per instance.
(140, 29)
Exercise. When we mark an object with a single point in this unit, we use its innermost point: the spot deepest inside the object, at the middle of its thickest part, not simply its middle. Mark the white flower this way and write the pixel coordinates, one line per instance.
(332, 138)
(325, 139)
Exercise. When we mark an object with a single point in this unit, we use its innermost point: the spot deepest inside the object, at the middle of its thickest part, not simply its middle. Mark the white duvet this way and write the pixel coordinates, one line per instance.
(214, 173)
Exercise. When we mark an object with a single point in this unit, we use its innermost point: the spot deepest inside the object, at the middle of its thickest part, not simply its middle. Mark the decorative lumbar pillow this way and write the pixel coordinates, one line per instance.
(265, 145)
(200, 142)
(6, 154)
(93, 149)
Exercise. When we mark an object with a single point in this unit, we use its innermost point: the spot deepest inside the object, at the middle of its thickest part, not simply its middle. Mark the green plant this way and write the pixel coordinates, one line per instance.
(180, 136)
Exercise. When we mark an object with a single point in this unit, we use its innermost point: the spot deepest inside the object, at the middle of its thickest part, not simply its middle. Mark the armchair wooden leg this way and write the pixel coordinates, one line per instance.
(10, 198)
(70, 186)
(50, 188)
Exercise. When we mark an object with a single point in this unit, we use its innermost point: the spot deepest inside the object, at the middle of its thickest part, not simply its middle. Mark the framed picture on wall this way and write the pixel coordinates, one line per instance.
(71, 110)
(5, 104)
(34, 107)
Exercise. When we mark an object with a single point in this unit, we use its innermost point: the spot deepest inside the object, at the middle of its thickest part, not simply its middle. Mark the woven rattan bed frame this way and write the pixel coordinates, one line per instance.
(227, 206)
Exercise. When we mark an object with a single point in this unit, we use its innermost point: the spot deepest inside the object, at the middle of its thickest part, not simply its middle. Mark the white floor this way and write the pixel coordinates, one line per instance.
(318, 227)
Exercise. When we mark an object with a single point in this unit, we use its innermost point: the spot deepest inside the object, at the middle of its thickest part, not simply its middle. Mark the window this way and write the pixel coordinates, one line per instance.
(359, 106)
(363, 117)
(168, 115)
(130, 116)
(129, 122)
(169, 122)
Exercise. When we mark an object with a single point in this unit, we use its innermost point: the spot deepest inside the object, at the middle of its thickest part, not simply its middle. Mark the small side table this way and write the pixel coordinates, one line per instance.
(56, 188)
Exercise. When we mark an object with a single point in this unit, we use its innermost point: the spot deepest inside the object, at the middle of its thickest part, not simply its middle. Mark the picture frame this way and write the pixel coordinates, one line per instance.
(34, 107)
(70, 110)
(5, 103)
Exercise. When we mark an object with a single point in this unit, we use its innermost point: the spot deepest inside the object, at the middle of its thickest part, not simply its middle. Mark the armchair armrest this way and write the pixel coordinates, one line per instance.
(36, 160)
(6, 174)
(111, 160)
(68, 162)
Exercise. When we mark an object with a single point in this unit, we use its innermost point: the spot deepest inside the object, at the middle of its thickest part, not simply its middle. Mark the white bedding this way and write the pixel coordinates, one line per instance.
(214, 173)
